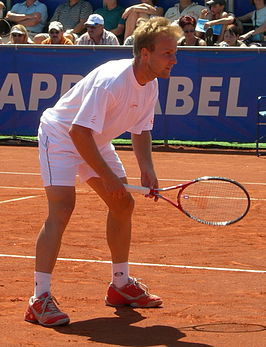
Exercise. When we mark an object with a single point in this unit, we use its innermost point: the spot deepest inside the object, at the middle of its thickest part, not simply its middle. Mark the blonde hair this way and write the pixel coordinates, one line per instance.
(146, 34)
(21, 28)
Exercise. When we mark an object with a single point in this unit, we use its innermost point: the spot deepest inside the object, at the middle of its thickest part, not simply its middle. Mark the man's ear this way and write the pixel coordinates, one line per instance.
(144, 53)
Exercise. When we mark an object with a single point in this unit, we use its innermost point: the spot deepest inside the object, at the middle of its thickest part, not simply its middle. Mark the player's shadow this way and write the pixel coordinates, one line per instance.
(119, 331)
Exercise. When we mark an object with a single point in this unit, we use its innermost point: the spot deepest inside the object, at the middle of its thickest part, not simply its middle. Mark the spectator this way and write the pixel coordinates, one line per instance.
(2, 8)
(215, 15)
(19, 35)
(56, 35)
(73, 14)
(184, 8)
(96, 34)
(30, 13)
(258, 18)
(113, 21)
(129, 41)
(231, 37)
(188, 25)
(146, 9)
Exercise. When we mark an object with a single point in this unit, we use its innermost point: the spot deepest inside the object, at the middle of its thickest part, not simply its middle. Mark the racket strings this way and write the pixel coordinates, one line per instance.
(214, 201)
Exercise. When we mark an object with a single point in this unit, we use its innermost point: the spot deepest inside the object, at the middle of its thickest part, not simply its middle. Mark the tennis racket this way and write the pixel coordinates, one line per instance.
(209, 200)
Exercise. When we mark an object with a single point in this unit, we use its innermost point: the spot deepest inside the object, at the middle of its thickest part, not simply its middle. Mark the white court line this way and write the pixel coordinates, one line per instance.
(17, 199)
(19, 173)
(141, 264)
(130, 178)
(85, 191)
(21, 188)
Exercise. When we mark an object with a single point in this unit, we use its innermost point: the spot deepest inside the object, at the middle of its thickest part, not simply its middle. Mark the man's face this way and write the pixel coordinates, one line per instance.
(160, 61)
(56, 36)
(216, 9)
(95, 31)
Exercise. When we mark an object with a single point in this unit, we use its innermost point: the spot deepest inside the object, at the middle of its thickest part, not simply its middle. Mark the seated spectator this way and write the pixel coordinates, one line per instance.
(231, 37)
(19, 35)
(96, 34)
(184, 8)
(215, 15)
(113, 21)
(146, 9)
(129, 41)
(258, 19)
(73, 14)
(188, 25)
(56, 35)
(30, 13)
(2, 8)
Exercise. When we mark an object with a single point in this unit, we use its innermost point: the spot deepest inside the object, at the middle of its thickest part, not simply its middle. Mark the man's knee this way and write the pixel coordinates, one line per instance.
(123, 206)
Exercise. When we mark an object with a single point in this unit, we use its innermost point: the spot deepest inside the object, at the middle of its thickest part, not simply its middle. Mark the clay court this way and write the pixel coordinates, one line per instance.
(212, 279)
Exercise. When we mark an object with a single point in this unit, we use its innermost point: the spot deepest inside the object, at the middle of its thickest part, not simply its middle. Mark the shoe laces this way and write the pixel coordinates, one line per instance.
(49, 305)
(140, 285)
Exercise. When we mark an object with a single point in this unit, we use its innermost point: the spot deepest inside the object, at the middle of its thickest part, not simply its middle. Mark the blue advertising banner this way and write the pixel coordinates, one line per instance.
(210, 96)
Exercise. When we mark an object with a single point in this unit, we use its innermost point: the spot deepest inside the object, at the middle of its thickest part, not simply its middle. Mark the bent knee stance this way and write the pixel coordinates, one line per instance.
(123, 207)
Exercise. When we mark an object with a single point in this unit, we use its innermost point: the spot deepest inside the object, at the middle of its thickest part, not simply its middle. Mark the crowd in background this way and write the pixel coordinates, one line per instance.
(75, 22)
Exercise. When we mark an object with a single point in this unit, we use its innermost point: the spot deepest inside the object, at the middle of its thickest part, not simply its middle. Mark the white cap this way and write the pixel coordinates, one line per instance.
(95, 19)
(56, 25)
(16, 30)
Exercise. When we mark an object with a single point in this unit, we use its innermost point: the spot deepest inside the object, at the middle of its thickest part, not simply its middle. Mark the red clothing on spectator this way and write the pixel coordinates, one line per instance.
(64, 41)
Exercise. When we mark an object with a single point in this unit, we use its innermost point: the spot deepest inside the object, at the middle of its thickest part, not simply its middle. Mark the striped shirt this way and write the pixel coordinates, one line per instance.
(108, 38)
(70, 16)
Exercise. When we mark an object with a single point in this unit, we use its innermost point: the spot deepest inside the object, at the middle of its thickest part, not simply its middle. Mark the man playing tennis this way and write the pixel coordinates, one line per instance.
(75, 137)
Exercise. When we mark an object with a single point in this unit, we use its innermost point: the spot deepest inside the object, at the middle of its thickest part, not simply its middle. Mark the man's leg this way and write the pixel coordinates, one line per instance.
(118, 228)
(42, 309)
(61, 203)
(118, 231)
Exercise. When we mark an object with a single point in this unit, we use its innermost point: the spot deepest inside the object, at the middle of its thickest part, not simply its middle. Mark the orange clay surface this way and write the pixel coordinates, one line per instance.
(202, 306)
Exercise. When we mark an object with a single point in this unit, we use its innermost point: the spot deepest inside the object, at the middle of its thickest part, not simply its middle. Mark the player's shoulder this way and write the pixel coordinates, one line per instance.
(113, 69)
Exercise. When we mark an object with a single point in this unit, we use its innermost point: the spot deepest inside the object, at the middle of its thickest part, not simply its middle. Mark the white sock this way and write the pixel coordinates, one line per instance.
(42, 283)
(120, 274)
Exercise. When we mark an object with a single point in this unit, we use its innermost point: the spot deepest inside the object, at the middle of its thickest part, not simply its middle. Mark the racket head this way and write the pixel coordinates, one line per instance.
(214, 200)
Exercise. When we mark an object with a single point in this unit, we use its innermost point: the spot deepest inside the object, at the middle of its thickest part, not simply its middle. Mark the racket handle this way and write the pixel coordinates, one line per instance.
(137, 189)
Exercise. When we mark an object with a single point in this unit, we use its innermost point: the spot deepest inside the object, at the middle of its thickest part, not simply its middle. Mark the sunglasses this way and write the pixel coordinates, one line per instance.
(92, 26)
(189, 31)
(54, 32)
(16, 35)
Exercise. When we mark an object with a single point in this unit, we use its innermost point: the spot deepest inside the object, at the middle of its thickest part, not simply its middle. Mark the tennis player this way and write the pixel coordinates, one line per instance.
(75, 137)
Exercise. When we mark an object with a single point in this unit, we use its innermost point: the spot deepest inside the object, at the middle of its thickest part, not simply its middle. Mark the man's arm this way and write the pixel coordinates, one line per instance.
(142, 147)
(25, 19)
(119, 30)
(259, 30)
(84, 142)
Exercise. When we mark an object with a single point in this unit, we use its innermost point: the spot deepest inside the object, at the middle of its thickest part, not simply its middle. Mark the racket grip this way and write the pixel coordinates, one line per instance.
(137, 189)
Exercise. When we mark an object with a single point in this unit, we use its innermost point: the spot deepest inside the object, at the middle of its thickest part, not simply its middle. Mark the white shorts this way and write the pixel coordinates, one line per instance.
(60, 164)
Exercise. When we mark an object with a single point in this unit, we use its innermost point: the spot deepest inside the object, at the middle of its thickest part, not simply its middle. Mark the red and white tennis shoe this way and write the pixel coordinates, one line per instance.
(44, 311)
(133, 294)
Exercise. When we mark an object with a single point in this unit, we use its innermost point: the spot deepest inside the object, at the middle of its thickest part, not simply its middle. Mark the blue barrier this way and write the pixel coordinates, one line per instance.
(210, 96)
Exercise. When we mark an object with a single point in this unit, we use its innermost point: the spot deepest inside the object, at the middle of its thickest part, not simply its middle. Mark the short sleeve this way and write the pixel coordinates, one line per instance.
(93, 109)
